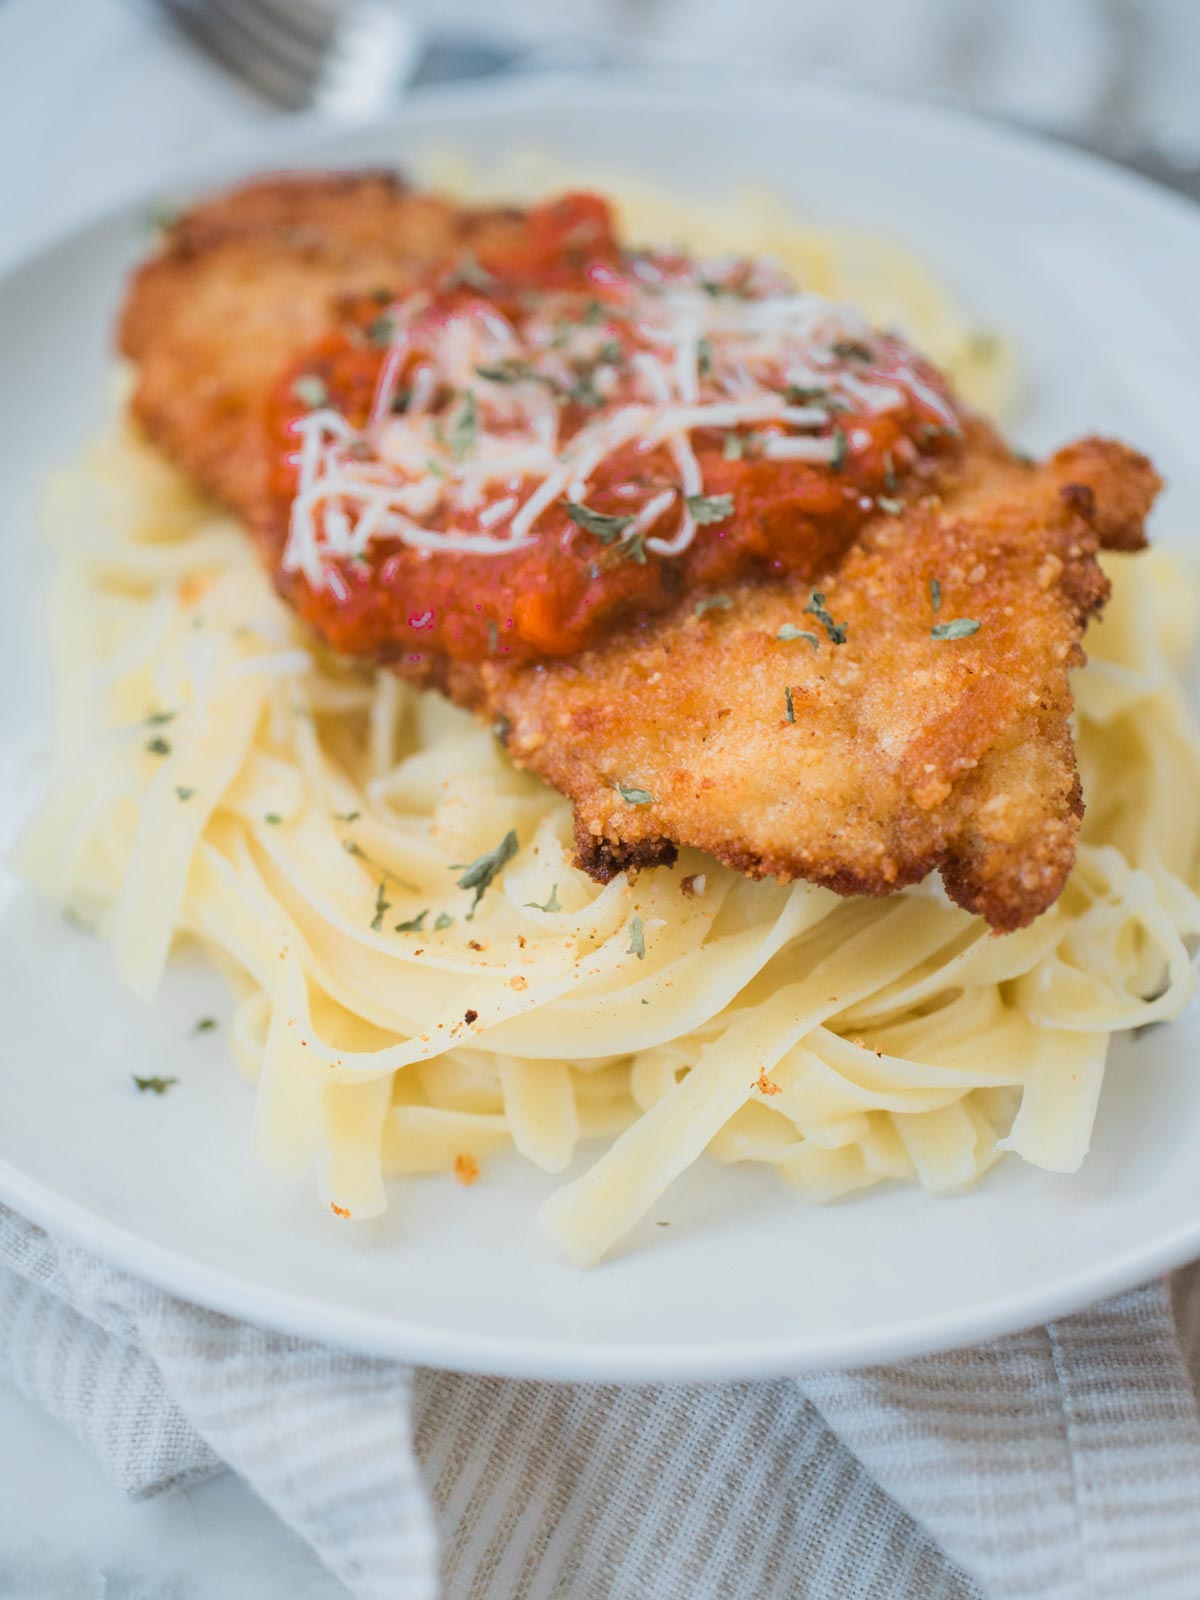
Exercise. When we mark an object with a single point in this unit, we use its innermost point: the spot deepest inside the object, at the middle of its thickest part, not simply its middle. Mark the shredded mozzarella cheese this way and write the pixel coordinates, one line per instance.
(674, 351)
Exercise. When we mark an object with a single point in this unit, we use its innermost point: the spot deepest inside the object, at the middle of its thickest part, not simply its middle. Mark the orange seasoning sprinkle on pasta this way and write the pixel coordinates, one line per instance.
(466, 1168)
(764, 1085)
(338, 1211)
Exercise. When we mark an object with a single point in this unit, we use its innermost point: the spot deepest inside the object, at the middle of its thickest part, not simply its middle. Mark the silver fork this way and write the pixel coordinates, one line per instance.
(346, 58)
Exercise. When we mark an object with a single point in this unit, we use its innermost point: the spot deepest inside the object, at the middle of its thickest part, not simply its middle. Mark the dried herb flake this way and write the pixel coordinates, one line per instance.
(311, 391)
(154, 1085)
(790, 631)
(480, 873)
(465, 429)
(816, 608)
(960, 628)
(708, 508)
(550, 905)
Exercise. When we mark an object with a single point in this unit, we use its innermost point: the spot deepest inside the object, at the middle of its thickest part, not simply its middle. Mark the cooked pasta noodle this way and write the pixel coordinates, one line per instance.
(220, 776)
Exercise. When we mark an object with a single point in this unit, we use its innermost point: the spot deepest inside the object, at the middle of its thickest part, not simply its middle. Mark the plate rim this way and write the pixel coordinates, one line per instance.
(231, 1293)
(369, 1333)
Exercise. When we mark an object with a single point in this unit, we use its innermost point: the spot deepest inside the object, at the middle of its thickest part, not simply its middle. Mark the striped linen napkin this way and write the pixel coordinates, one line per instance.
(1060, 1464)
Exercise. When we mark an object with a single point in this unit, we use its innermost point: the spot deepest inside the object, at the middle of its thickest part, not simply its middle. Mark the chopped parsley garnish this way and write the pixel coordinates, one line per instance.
(935, 594)
(183, 794)
(158, 746)
(465, 429)
(852, 350)
(468, 274)
(414, 924)
(634, 797)
(157, 719)
(595, 311)
(273, 818)
(479, 874)
(381, 332)
(382, 906)
(351, 849)
(841, 447)
(443, 921)
(346, 816)
(512, 371)
(816, 608)
(493, 633)
(637, 939)
(704, 357)
(502, 727)
(799, 394)
(155, 1085)
(886, 503)
(715, 289)
(890, 482)
(311, 391)
(734, 447)
(708, 508)
(550, 905)
(611, 352)
(790, 708)
(204, 1025)
(960, 628)
(608, 529)
(713, 602)
(583, 392)
(790, 631)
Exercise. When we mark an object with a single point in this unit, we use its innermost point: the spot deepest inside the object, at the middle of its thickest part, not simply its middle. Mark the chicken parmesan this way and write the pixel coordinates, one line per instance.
(723, 563)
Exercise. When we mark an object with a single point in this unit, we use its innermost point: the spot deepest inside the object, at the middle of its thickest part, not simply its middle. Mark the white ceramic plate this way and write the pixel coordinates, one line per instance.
(1094, 273)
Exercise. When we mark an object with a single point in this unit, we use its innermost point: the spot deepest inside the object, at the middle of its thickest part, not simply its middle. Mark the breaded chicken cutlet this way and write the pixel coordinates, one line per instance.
(724, 565)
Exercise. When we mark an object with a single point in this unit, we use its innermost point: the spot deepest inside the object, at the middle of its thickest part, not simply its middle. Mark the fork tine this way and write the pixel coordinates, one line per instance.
(242, 53)
(315, 21)
(263, 31)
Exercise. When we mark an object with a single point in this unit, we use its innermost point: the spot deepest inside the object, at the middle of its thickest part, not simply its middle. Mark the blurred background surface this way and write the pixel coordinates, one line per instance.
(94, 93)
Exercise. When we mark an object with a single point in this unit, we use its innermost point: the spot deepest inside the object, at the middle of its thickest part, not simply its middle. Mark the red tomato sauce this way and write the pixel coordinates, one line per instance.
(569, 589)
